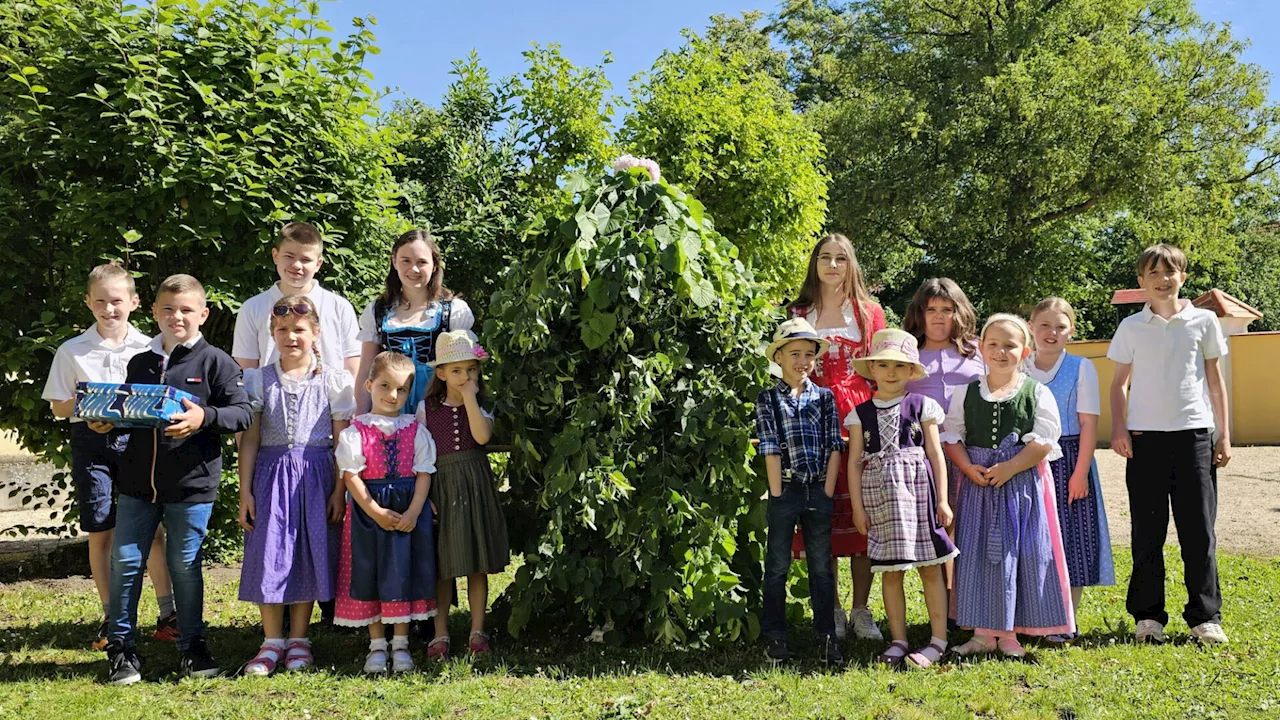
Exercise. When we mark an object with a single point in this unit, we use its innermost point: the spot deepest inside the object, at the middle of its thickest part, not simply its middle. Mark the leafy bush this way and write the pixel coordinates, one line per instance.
(626, 334)
(174, 139)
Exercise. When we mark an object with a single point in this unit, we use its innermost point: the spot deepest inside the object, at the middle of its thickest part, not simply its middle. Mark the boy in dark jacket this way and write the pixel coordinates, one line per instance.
(171, 476)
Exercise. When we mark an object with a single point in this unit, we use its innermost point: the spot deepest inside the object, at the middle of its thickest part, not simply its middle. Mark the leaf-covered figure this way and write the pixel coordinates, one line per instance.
(627, 337)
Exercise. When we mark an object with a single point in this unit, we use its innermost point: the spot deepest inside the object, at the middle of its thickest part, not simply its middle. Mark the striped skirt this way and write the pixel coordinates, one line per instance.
(1011, 575)
(472, 536)
(1085, 536)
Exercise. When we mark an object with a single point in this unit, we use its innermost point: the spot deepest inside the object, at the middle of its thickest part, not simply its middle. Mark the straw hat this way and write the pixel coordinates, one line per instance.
(795, 329)
(457, 346)
(894, 345)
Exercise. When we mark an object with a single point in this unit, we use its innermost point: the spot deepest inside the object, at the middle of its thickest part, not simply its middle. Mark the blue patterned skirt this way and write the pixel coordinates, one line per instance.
(1011, 575)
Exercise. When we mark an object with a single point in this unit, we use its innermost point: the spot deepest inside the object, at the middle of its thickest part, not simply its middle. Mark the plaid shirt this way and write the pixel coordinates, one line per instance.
(803, 420)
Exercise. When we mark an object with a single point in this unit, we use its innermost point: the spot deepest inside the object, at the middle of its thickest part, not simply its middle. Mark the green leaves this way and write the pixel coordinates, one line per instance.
(639, 372)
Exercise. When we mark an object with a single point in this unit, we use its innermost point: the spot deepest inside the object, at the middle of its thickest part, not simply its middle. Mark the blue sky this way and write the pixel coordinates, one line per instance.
(420, 38)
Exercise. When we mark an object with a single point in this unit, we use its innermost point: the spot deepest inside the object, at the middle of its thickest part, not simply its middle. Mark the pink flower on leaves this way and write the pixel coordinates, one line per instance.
(479, 353)
(627, 162)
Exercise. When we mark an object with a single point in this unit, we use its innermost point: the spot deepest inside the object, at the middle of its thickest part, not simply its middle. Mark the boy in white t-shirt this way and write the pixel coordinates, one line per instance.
(102, 354)
(1167, 355)
(298, 255)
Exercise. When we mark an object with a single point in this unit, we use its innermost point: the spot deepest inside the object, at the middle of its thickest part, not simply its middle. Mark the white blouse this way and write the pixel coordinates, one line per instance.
(350, 452)
(338, 384)
(930, 411)
(1045, 430)
(849, 331)
(1088, 399)
(460, 318)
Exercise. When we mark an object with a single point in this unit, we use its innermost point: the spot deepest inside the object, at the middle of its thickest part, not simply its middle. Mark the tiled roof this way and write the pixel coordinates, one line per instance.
(1128, 297)
(1224, 305)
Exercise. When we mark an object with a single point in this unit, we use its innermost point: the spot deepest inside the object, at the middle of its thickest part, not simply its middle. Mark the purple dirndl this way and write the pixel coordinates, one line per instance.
(898, 493)
(289, 554)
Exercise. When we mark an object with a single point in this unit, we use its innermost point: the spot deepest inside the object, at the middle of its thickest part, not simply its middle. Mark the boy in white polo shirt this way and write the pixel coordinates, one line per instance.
(102, 354)
(1168, 355)
(298, 254)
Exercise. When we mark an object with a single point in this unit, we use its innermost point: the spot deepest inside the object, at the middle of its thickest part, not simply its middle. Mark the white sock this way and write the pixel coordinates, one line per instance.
(304, 641)
(378, 644)
(400, 642)
(275, 642)
(941, 642)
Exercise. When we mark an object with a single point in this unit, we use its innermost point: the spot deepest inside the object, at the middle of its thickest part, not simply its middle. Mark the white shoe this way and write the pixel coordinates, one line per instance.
(842, 624)
(1150, 631)
(376, 662)
(1209, 633)
(401, 660)
(864, 626)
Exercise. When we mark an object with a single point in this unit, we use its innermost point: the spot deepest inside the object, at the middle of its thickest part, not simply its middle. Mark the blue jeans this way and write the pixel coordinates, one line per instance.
(186, 525)
(809, 505)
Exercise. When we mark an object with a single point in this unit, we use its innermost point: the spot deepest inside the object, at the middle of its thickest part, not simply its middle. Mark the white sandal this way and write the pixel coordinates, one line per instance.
(376, 662)
(401, 660)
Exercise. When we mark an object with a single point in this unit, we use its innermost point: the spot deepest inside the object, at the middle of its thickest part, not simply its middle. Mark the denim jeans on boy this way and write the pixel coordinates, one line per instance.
(808, 504)
(186, 525)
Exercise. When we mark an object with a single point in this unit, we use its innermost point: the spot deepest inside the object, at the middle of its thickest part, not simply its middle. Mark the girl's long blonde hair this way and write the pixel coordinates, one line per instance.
(853, 286)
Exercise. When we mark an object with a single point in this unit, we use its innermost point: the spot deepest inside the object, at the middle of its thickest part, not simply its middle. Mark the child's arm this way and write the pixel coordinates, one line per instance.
(368, 351)
(831, 416)
(933, 451)
(338, 499)
(424, 463)
(959, 456)
(250, 440)
(1121, 442)
(856, 447)
(386, 519)
(1041, 442)
(481, 426)
(1218, 398)
(60, 388)
(1078, 486)
(769, 444)
(229, 410)
(953, 441)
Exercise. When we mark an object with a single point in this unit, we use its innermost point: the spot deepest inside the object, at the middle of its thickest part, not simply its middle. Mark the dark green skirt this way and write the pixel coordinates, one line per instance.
(472, 536)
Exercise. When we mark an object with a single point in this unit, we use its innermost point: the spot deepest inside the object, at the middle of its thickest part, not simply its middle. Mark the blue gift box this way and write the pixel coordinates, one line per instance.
(130, 405)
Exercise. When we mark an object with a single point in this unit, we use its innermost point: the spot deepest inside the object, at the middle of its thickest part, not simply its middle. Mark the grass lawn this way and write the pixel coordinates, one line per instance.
(47, 670)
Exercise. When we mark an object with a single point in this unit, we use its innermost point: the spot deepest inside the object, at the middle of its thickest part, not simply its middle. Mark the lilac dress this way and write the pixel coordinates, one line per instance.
(948, 370)
(289, 555)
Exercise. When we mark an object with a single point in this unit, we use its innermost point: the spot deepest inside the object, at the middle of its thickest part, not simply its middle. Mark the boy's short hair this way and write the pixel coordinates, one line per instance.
(390, 361)
(1172, 257)
(111, 272)
(303, 233)
(180, 283)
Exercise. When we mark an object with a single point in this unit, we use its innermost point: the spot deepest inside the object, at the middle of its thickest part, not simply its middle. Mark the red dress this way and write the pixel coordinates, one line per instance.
(835, 371)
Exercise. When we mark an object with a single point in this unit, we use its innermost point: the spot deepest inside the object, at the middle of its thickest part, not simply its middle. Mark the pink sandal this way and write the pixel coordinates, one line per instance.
(891, 658)
(264, 663)
(479, 643)
(298, 656)
(923, 659)
(438, 648)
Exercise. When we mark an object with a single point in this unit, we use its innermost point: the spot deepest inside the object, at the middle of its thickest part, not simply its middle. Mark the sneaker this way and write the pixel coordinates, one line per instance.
(100, 641)
(1150, 631)
(125, 667)
(197, 661)
(864, 626)
(166, 629)
(829, 652)
(776, 652)
(842, 624)
(1209, 633)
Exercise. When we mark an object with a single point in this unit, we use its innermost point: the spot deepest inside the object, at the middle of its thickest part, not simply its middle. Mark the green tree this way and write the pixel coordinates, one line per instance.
(476, 167)
(625, 334)
(176, 138)
(973, 139)
(721, 126)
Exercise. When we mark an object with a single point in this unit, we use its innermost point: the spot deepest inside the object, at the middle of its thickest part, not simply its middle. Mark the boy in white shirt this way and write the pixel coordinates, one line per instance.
(1167, 354)
(298, 255)
(102, 354)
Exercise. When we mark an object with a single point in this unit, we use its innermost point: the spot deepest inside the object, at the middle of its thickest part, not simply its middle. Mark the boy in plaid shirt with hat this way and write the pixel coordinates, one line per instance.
(799, 430)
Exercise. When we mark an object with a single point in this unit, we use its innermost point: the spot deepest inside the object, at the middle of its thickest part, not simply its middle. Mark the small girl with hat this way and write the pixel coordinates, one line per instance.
(898, 482)
(471, 540)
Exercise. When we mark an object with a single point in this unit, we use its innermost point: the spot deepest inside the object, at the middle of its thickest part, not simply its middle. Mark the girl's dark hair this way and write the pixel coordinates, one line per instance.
(437, 391)
(964, 326)
(854, 285)
(393, 288)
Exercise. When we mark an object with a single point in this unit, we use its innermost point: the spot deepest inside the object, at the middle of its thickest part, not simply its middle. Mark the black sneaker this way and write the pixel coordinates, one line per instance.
(197, 661)
(124, 663)
(829, 651)
(776, 652)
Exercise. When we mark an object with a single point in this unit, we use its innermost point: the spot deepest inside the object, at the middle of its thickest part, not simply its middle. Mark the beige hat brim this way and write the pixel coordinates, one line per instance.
(776, 345)
(863, 366)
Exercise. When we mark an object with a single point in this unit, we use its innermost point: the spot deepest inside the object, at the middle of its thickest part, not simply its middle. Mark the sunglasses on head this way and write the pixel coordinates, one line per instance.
(297, 309)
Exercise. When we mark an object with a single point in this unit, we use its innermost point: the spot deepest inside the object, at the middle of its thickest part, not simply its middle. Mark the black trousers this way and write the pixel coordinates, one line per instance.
(1177, 467)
